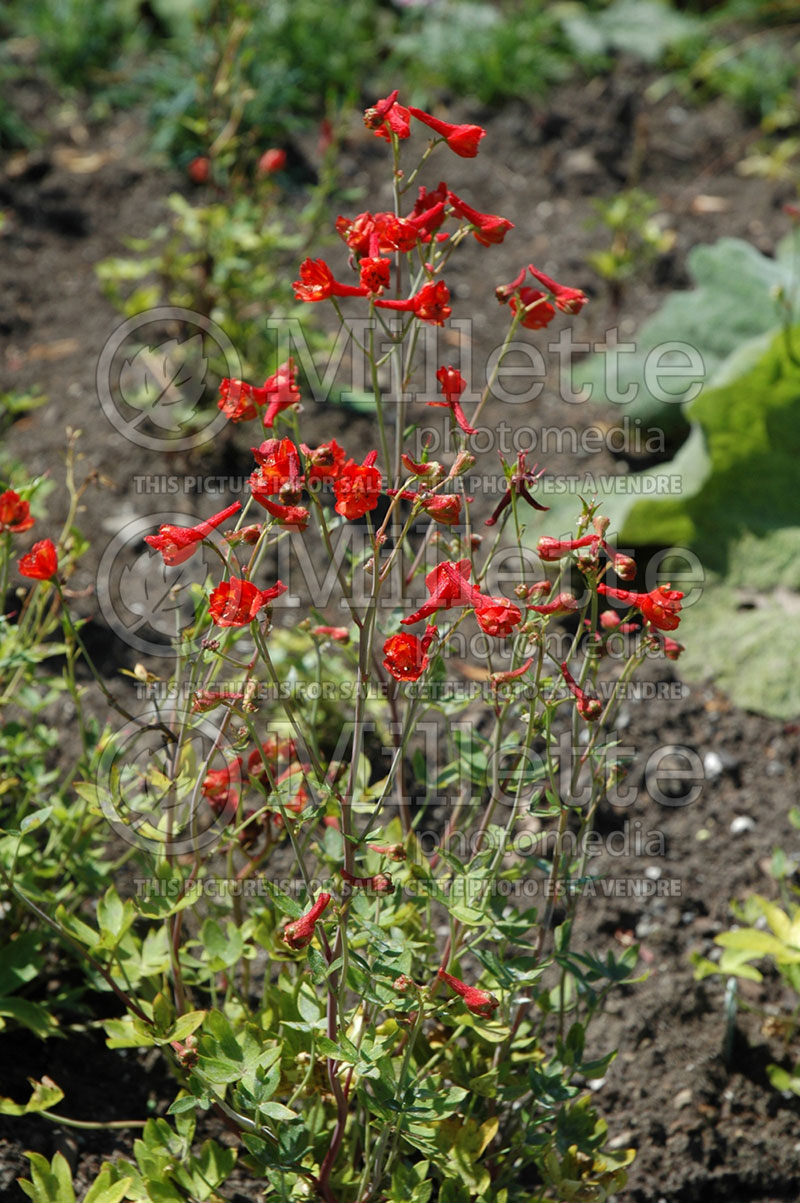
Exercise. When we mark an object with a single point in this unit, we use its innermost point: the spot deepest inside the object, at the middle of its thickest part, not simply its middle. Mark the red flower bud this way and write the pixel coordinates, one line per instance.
(301, 932)
(479, 1002)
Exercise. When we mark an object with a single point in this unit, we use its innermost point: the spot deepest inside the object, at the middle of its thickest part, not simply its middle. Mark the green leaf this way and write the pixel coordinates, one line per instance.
(34, 820)
(45, 1095)
(104, 1190)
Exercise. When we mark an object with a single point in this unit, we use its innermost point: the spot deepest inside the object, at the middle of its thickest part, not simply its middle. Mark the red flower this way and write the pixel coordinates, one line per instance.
(375, 273)
(550, 550)
(301, 932)
(280, 392)
(497, 616)
(316, 283)
(518, 483)
(358, 487)
(323, 462)
(564, 603)
(199, 169)
(274, 751)
(479, 1002)
(293, 517)
(279, 469)
(448, 585)
(386, 115)
(672, 649)
(235, 602)
(271, 161)
(380, 883)
(588, 706)
(429, 304)
(41, 562)
(536, 307)
(15, 514)
(462, 139)
(489, 228)
(568, 300)
(660, 607)
(445, 509)
(237, 400)
(337, 634)
(430, 471)
(405, 655)
(220, 787)
(178, 543)
(452, 385)
(209, 699)
(511, 674)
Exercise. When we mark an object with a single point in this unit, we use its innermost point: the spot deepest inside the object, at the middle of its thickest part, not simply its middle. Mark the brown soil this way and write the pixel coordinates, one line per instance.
(704, 1128)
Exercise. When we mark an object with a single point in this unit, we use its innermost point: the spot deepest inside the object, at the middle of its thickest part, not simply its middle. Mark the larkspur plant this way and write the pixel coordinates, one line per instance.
(374, 1019)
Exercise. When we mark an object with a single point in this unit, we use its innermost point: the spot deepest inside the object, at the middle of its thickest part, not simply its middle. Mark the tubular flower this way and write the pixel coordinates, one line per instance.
(15, 514)
(337, 634)
(497, 616)
(462, 139)
(405, 655)
(504, 292)
(588, 706)
(479, 1002)
(381, 233)
(221, 788)
(563, 604)
(445, 508)
(235, 602)
(512, 674)
(178, 543)
(209, 699)
(293, 517)
(237, 400)
(275, 751)
(431, 471)
(323, 462)
(358, 487)
(316, 283)
(271, 161)
(379, 883)
(375, 273)
(672, 649)
(452, 385)
(387, 115)
(489, 229)
(660, 607)
(550, 550)
(280, 392)
(393, 851)
(568, 300)
(41, 562)
(449, 585)
(301, 932)
(534, 304)
(429, 304)
(518, 485)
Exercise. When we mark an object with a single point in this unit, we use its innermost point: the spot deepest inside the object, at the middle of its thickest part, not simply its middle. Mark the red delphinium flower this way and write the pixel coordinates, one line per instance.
(496, 616)
(378, 233)
(300, 932)
(300, 797)
(271, 161)
(337, 634)
(550, 549)
(386, 115)
(660, 607)
(375, 273)
(324, 462)
(538, 312)
(429, 220)
(504, 292)
(563, 604)
(280, 392)
(208, 699)
(429, 198)
(568, 300)
(237, 400)
(462, 139)
(479, 1002)
(511, 674)
(358, 487)
(449, 585)
(379, 883)
(444, 508)
(317, 283)
(489, 229)
(452, 385)
(429, 304)
(221, 788)
(235, 602)
(293, 517)
(393, 851)
(199, 170)
(15, 514)
(279, 465)
(672, 649)
(41, 562)
(587, 705)
(519, 484)
(406, 656)
(431, 471)
(178, 543)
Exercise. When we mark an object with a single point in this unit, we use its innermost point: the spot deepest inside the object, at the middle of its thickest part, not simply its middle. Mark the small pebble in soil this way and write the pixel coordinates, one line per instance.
(742, 823)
